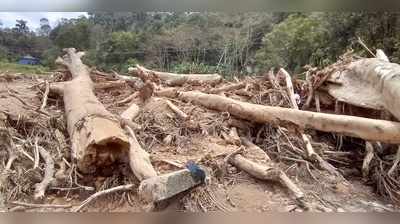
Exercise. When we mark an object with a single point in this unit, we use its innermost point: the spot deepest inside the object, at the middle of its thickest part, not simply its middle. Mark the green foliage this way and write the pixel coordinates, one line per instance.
(25, 69)
(3, 54)
(72, 33)
(50, 55)
(206, 42)
(293, 43)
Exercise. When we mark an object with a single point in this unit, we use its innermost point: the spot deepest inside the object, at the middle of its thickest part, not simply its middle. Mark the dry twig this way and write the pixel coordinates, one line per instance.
(126, 187)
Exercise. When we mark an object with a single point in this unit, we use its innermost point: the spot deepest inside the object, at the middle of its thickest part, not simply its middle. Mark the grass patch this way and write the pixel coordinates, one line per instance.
(25, 69)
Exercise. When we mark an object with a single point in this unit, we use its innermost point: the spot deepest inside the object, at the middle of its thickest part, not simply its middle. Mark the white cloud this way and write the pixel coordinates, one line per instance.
(33, 18)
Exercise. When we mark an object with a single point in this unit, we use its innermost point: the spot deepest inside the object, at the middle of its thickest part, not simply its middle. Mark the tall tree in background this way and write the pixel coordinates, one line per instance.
(45, 27)
(21, 26)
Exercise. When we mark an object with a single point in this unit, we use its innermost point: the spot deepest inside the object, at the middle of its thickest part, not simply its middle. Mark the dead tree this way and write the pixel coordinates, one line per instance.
(96, 136)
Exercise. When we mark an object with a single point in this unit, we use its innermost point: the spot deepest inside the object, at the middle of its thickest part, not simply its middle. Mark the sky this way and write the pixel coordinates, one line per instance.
(33, 18)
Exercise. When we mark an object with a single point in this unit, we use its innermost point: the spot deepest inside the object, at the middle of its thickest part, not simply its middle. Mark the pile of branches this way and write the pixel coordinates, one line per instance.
(277, 127)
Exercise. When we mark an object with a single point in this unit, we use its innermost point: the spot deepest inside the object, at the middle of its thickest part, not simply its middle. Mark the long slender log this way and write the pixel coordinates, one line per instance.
(175, 79)
(369, 129)
(96, 136)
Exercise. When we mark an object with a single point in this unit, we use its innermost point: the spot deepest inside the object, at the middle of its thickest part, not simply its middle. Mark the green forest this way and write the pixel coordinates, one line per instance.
(230, 44)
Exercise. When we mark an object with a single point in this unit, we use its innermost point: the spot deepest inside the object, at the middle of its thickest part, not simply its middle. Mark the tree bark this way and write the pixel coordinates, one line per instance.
(97, 138)
(370, 83)
(369, 129)
(176, 79)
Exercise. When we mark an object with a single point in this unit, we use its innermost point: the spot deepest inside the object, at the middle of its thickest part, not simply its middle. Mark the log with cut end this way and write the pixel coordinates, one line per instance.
(165, 186)
(371, 83)
(96, 136)
(176, 79)
(369, 129)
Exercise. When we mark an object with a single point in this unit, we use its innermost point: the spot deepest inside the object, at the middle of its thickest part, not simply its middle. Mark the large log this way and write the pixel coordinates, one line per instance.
(176, 79)
(97, 138)
(369, 129)
(370, 83)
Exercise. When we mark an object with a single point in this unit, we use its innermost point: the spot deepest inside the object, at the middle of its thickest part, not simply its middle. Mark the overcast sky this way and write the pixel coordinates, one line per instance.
(33, 18)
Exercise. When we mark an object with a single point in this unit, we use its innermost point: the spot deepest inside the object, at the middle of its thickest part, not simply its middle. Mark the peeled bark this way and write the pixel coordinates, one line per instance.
(96, 136)
(176, 79)
(370, 83)
(369, 129)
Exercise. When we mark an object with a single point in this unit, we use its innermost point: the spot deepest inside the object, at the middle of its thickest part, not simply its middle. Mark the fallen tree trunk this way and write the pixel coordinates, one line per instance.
(97, 138)
(176, 79)
(370, 83)
(369, 129)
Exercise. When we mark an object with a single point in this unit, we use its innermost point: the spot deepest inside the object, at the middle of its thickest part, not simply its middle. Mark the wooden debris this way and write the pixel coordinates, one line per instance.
(182, 115)
(139, 159)
(94, 196)
(369, 155)
(48, 178)
(96, 136)
(165, 186)
(146, 74)
(368, 129)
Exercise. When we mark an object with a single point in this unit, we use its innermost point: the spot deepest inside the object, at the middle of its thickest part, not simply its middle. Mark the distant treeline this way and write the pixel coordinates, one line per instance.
(206, 42)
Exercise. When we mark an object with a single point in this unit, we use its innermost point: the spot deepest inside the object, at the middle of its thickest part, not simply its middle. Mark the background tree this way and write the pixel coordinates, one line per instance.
(45, 27)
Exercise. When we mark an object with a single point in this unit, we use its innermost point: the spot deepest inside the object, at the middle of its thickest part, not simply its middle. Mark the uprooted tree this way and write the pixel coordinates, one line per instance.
(97, 138)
